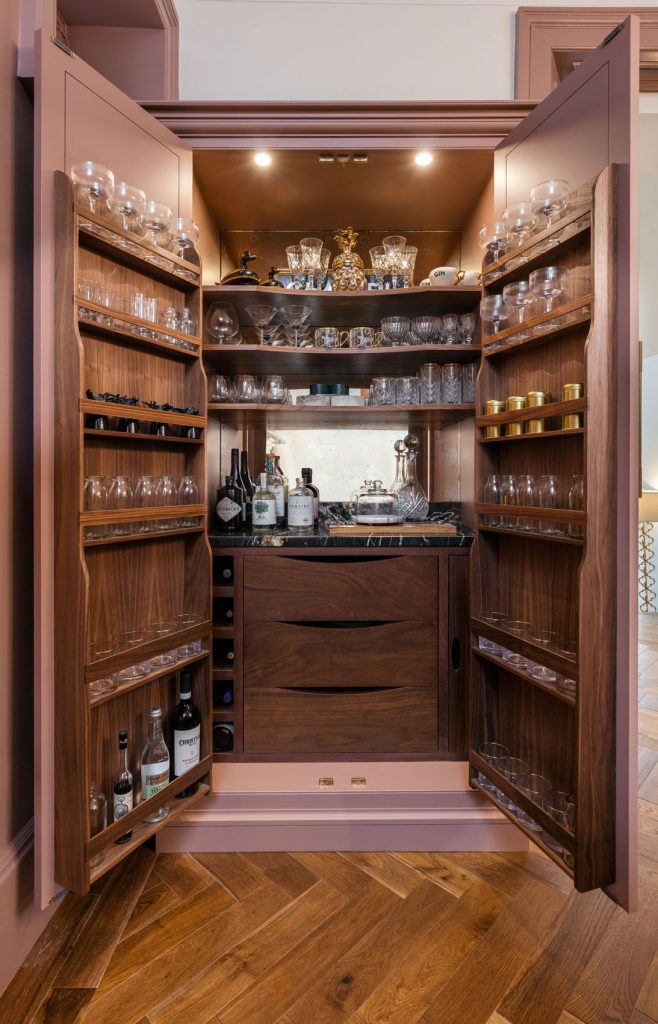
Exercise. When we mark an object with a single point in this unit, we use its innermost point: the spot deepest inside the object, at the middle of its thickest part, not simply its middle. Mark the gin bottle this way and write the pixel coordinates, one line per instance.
(264, 507)
(300, 508)
(155, 765)
(229, 506)
(276, 485)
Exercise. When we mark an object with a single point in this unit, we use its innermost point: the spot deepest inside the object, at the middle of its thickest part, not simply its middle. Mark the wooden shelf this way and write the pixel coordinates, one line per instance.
(555, 538)
(223, 632)
(575, 432)
(560, 515)
(125, 538)
(348, 309)
(519, 672)
(141, 652)
(548, 411)
(141, 258)
(134, 684)
(126, 336)
(490, 349)
(100, 435)
(333, 363)
(241, 415)
(223, 716)
(533, 652)
(126, 412)
(219, 591)
(131, 515)
(222, 674)
(541, 259)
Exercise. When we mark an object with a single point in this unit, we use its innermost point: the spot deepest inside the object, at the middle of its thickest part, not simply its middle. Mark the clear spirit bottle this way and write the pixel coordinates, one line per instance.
(307, 476)
(300, 508)
(276, 485)
(155, 765)
(264, 507)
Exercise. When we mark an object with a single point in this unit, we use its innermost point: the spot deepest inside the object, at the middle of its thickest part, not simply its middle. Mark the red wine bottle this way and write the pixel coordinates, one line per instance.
(187, 733)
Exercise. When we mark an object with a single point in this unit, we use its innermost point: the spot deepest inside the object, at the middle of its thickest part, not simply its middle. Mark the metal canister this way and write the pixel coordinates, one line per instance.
(512, 403)
(534, 398)
(570, 392)
(493, 408)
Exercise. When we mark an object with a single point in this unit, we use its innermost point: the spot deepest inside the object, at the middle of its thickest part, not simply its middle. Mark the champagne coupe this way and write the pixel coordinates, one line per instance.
(262, 316)
(396, 330)
(295, 257)
(156, 220)
(311, 259)
(129, 203)
(94, 185)
(520, 221)
(494, 311)
(185, 235)
(518, 294)
(493, 241)
(550, 199)
(222, 323)
(295, 317)
(549, 283)
(426, 329)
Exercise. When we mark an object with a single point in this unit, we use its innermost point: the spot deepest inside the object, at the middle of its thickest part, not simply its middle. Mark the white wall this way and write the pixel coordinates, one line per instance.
(350, 49)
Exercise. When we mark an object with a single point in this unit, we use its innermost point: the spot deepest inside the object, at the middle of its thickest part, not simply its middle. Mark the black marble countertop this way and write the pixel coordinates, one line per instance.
(321, 538)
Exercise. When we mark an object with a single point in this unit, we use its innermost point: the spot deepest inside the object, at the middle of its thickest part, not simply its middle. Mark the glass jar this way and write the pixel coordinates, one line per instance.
(375, 505)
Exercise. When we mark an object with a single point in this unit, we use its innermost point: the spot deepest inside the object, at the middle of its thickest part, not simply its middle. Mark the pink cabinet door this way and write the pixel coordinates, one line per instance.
(78, 116)
(585, 129)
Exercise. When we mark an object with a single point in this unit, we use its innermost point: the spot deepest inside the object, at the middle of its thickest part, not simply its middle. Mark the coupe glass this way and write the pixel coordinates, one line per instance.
(156, 220)
(494, 311)
(520, 221)
(295, 258)
(550, 199)
(129, 203)
(493, 241)
(262, 317)
(379, 263)
(295, 317)
(222, 323)
(120, 497)
(94, 185)
(396, 330)
(311, 259)
(549, 284)
(184, 235)
(426, 329)
(519, 295)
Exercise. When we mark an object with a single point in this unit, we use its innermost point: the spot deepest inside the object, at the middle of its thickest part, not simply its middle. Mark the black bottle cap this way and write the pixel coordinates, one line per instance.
(185, 685)
(339, 389)
(307, 473)
(123, 739)
(320, 389)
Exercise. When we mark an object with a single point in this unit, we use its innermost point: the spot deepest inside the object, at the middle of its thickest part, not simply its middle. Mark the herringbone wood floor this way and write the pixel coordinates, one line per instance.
(367, 938)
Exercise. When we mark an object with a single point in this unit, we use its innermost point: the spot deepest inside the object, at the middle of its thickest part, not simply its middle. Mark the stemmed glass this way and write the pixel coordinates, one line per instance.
(493, 241)
(222, 323)
(407, 265)
(156, 221)
(467, 324)
(396, 330)
(426, 329)
(325, 256)
(295, 317)
(184, 235)
(95, 500)
(121, 496)
(518, 294)
(519, 221)
(550, 199)
(129, 203)
(94, 184)
(549, 283)
(295, 257)
(379, 264)
(311, 259)
(393, 247)
(494, 311)
(188, 494)
(262, 316)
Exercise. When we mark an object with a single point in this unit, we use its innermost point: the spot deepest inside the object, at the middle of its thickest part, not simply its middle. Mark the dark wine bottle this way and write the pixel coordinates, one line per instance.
(187, 733)
(237, 482)
(229, 506)
(123, 786)
(307, 477)
(248, 487)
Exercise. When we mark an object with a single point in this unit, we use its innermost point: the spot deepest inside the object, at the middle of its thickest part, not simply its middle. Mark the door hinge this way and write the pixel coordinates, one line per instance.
(62, 46)
(611, 35)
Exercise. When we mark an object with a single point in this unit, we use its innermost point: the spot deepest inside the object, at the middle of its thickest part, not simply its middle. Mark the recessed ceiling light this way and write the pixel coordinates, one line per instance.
(263, 159)
(424, 159)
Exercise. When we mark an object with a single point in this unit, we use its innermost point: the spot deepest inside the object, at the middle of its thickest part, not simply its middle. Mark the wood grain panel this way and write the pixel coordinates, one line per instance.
(339, 587)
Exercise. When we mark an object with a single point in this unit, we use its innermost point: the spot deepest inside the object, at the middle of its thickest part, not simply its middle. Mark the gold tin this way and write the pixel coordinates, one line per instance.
(569, 393)
(534, 427)
(493, 408)
(537, 398)
(514, 402)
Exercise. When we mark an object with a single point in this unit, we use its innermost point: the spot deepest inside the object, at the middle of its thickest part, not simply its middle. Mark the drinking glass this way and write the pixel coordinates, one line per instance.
(379, 263)
(525, 495)
(451, 377)
(382, 391)
(513, 768)
(449, 329)
(325, 256)
(494, 312)
(493, 241)
(327, 337)
(166, 493)
(430, 384)
(361, 337)
(94, 185)
(467, 322)
(220, 389)
(469, 373)
(508, 497)
(275, 389)
(407, 265)
(492, 497)
(145, 497)
(520, 220)
(120, 497)
(222, 323)
(549, 283)
(542, 673)
(295, 257)
(396, 330)
(406, 391)
(550, 199)
(129, 203)
(246, 388)
(537, 789)
(295, 317)
(494, 754)
(576, 503)
(95, 500)
(426, 329)
(184, 236)
(188, 494)
(311, 259)
(549, 497)
(560, 806)
(393, 246)
(566, 685)
(107, 684)
(156, 220)
(262, 317)
(518, 295)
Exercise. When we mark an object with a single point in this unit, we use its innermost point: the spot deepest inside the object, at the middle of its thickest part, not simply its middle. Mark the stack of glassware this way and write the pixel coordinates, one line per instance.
(136, 304)
(446, 384)
(547, 491)
(520, 301)
(146, 491)
(271, 390)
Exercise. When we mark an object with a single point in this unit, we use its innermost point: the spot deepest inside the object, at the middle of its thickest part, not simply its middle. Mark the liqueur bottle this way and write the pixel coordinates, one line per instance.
(307, 476)
(284, 479)
(155, 765)
(276, 485)
(264, 507)
(300, 509)
(123, 785)
(229, 506)
(187, 733)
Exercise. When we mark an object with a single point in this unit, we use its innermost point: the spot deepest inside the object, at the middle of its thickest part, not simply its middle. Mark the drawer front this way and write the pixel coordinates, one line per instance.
(280, 588)
(298, 722)
(288, 653)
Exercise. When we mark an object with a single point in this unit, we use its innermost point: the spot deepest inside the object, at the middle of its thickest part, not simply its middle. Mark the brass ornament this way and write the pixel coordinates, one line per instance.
(347, 267)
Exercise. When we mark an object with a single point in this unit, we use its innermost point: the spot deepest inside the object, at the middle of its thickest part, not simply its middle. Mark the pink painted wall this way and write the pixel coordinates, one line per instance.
(20, 921)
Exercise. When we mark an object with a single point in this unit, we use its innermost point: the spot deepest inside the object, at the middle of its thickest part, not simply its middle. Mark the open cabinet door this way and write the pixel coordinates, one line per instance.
(554, 579)
(84, 590)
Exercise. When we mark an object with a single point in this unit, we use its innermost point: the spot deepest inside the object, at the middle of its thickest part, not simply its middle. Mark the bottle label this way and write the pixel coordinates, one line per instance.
(154, 778)
(280, 497)
(187, 749)
(264, 513)
(228, 509)
(300, 510)
(316, 508)
(123, 803)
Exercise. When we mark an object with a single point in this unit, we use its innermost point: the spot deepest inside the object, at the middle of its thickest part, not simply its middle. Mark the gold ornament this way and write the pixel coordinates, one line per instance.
(347, 267)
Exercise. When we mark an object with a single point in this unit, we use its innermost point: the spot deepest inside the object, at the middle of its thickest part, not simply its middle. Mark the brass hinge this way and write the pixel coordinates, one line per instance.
(62, 46)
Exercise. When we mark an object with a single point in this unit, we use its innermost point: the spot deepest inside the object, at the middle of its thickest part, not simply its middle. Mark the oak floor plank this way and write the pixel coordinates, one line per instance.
(452, 877)
(647, 1000)
(476, 988)
(226, 978)
(153, 902)
(355, 974)
(429, 962)
(649, 788)
(543, 989)
(283, 870)
(184, 875)
(93, 951)
(232, 871)
(138, 950)
(278, 989)
(639, 1018)
(65, 1006)
(646, 760)
(510, 871)
(30, 986)
(335, 869)
(388, 870)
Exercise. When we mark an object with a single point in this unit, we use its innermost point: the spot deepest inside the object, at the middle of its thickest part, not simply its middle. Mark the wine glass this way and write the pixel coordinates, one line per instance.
(550, 199)
(129, 203)
(407, 265)
(379, 264)
(188, 494)
(311, 259)
(493, 241)
(157, 220)
(295, 317)
(222, 323)
(325, 256)
(519, 221)
(518, 294)
(184, 235)
(393, 246)
(494, 311)
(549, 283)
(94, 185)
(295, 257)
(120, 497)
(262, 316)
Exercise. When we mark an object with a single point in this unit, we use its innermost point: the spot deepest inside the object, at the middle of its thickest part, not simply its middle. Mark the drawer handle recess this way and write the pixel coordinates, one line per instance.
(334, 624)
(340, 689)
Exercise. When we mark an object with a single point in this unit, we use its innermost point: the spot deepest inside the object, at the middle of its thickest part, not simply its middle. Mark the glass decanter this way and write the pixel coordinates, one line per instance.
(413, 503)
(400, 466)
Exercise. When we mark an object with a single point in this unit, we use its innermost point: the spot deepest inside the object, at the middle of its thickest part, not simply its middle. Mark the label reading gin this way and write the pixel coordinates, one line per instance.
(154, 778)
(300, 510)
(264, 512)
(187, 745)
(228, 509)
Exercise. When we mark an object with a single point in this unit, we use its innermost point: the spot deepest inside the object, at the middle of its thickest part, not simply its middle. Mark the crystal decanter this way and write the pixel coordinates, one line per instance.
(413, 503)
